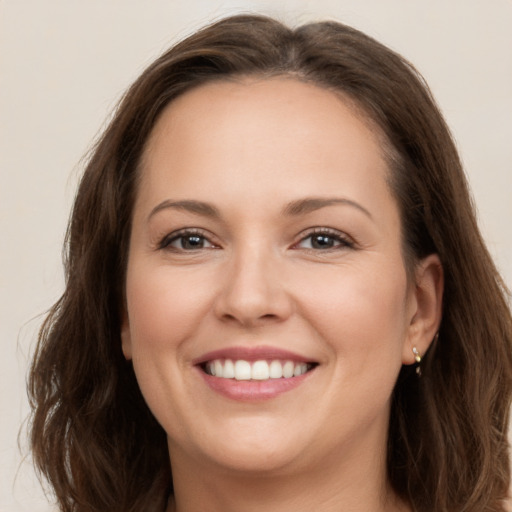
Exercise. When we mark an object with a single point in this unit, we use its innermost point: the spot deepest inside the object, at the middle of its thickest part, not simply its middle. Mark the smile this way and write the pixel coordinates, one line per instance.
(260, 370)
(253, 374)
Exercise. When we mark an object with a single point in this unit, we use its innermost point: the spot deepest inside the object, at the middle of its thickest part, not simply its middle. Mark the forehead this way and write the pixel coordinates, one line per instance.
(302, 101)
(281, 132)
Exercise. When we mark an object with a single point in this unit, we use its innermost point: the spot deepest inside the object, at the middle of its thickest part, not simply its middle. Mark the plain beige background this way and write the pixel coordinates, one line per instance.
(64, 64)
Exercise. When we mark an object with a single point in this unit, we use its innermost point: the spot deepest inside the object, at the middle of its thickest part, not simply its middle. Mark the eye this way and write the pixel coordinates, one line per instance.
(324, 239)
(188, 240)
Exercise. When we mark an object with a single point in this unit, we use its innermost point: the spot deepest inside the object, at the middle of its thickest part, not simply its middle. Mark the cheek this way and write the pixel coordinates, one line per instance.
(164, 306)
(361, 313)
(164, 310)
(360, 318)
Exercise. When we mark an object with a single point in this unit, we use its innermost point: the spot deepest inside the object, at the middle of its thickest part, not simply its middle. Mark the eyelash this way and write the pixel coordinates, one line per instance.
(336, 237)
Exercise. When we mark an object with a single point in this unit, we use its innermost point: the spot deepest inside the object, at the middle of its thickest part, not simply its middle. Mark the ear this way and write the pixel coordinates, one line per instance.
(126, 338)
(424, 307)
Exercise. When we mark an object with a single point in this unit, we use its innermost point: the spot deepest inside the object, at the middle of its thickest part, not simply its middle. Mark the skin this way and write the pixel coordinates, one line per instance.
(250, 149)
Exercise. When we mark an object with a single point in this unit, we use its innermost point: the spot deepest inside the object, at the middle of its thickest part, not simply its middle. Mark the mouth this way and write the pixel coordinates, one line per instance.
(257, 370)
(253, 374)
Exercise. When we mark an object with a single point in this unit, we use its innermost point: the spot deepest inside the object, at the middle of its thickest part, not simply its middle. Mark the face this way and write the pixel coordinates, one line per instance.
(268, 310)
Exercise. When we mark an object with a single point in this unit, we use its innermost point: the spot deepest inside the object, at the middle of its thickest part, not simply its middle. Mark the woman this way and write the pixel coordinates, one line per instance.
(277, 294)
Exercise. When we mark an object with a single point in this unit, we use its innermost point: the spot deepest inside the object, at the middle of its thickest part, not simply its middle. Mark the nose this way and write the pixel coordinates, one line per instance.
(254, 290)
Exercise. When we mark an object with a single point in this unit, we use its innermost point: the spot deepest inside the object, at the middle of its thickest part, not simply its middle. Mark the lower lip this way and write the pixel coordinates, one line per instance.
(253, 390)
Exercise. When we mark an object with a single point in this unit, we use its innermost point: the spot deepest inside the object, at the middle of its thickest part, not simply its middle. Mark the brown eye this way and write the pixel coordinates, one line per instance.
(186, 242)
(323, 241)
(191, 242)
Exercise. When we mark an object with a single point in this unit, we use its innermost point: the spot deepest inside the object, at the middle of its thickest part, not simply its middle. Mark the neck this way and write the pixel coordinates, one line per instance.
(330, 486)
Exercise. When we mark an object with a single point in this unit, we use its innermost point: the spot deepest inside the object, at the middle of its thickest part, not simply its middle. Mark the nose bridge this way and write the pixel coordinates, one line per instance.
(253, 291)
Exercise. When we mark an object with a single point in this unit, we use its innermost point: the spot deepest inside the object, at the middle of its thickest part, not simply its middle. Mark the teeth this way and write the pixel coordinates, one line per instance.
(288, 369)
(242, 370)
(218, 367)
(300, 369)
(276, 370)
(229, 369)
(258, 370)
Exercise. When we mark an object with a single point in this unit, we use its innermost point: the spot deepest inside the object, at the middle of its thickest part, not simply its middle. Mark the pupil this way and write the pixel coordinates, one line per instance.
(322, 241)
(192, 242)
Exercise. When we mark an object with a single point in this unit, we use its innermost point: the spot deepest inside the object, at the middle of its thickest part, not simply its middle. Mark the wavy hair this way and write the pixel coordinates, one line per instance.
(92, 435)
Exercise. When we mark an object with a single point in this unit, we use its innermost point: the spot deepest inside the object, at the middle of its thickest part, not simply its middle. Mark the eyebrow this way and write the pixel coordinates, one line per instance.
(294, 208)
(197, 207)
(311, 204)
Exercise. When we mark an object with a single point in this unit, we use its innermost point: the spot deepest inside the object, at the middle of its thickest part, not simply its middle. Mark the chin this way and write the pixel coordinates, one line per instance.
(260, 446)
(254, 460)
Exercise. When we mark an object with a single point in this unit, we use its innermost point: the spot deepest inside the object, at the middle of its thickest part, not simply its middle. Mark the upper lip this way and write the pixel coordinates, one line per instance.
(257, 353)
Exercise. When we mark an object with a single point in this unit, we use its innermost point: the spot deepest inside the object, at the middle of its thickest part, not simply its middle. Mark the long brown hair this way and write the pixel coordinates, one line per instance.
(92, 435)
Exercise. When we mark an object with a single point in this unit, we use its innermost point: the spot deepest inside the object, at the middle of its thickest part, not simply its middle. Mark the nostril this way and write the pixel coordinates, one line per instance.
(250, 320)
(250, 301)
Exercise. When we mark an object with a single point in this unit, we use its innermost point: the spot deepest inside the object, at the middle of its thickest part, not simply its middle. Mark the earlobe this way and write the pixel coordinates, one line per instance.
(126, 342)
(427, 297)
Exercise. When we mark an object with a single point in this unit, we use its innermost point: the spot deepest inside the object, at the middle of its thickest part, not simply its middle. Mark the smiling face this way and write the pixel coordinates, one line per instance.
(268, 309)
